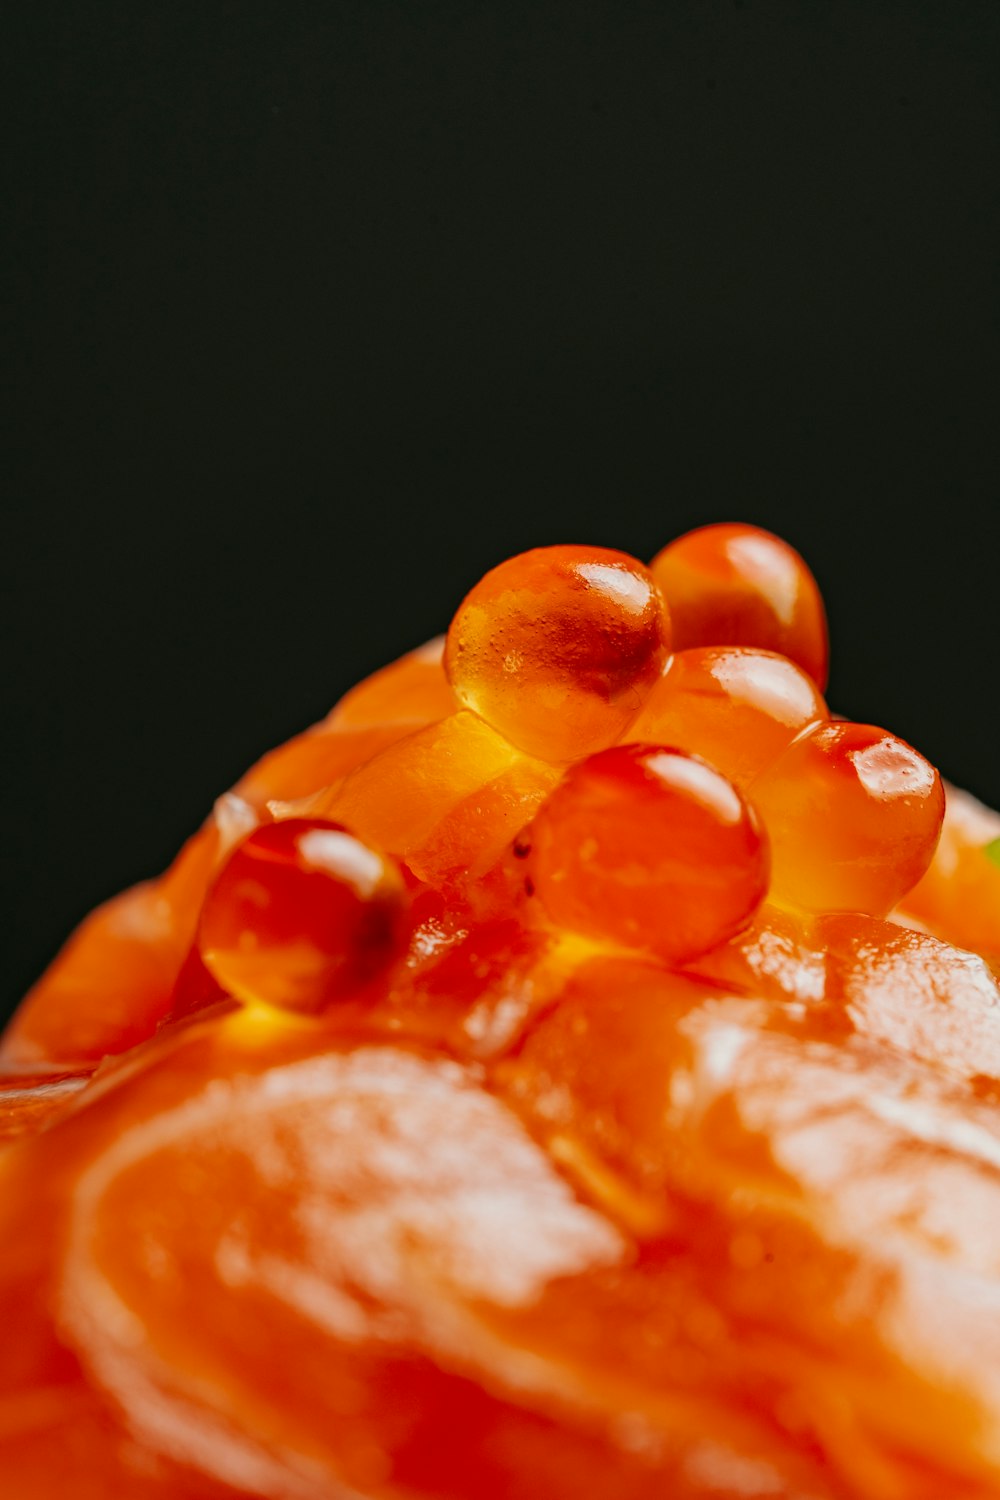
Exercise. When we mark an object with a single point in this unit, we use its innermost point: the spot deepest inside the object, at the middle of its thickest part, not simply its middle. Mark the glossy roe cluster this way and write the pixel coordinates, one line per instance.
(656, 736)
(550, 1075)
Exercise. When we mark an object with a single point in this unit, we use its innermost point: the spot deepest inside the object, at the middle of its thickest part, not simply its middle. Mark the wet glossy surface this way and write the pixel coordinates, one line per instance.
(854, 816)
(557, 648)
(736, 707)
(446, 800)
(301, 914)
(520, 1143)
(737, 1236)
(650, 848)
(736, 585)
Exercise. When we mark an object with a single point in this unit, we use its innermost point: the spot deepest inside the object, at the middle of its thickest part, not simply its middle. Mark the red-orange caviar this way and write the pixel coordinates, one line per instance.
(554, 1074)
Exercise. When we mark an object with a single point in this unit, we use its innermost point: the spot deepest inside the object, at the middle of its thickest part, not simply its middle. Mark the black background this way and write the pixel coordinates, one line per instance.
(319, 310)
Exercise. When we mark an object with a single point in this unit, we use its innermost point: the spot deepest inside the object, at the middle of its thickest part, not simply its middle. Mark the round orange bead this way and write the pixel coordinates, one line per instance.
(649, 848)
(300, 915)
(854, 815)
(557, 648)
(736, 707)
(736, 585)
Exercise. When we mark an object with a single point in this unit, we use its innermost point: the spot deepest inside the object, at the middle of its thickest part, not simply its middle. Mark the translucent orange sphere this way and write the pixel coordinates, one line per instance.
(736, 707)
(302, 914)
(649, 848)
(854, 815)
(558, 648)
(736, 585)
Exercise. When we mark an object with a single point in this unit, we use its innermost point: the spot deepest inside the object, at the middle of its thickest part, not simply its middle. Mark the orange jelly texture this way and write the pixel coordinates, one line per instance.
(570, 1070)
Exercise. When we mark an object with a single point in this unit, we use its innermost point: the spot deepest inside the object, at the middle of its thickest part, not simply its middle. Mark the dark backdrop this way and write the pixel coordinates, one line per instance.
(320, 309)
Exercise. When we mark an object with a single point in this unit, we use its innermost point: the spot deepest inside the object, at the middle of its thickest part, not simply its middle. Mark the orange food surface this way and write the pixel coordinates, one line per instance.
(736, 585)
(301, 913)
(732, 705)
(559, 647)
(651, 848)
(959, 895)
(571, 1071)
(854, 816)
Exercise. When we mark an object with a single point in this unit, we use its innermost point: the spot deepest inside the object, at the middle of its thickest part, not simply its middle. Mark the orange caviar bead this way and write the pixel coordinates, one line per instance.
(649, 848)
(558, 647)
(195, 989)
(301, 914)
(736, 707)
(853, 814)
(736, 585)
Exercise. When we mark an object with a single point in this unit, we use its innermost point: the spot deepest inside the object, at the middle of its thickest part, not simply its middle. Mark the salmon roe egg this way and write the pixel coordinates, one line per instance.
(736, 585)
(301, 914)
(650, 848)
(854, 815)
(736, 707)
(558, 647)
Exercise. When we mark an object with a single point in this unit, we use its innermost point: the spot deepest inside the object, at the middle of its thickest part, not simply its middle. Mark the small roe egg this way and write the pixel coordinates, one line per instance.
(558, 648)
(737, 585)
(651, 849)
(301, 914)
(854, 815)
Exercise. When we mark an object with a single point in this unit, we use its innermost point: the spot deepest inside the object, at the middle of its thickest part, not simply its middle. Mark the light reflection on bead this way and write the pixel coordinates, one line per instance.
(737, 585)
(302, 914)
(854, 816)
(649, 848)
(557, 648)
(735, 706)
